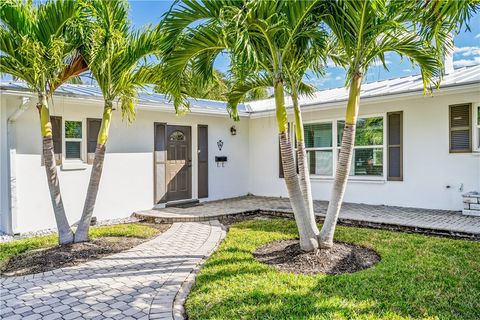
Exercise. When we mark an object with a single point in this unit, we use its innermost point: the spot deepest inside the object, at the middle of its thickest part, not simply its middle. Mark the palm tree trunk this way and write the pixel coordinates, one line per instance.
(308, 237)
(81, 233)
(65, 234)
(343, 165)
(303, 172)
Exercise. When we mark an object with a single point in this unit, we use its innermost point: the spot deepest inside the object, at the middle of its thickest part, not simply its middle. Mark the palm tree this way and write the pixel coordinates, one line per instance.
(116, 57)
(366, 31)
(308, 54)
(260, 37)
(38, 45)
(311, 57)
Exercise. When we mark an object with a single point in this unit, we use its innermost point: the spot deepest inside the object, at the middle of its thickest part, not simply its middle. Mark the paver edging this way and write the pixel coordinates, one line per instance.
(398, 227)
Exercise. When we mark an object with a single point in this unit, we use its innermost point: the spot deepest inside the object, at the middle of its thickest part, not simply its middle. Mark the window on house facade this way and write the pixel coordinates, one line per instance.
(477, 128)
(73, 140)
(368, 151)
(319, 145)
(177, 136)
(323, 141)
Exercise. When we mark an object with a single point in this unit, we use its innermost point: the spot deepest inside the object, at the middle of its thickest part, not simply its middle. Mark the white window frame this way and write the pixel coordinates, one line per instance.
(332, 148)
(81, 140)
(336, 149)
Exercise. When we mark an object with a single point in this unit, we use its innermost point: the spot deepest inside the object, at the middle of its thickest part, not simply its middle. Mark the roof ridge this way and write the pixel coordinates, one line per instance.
(463, 75)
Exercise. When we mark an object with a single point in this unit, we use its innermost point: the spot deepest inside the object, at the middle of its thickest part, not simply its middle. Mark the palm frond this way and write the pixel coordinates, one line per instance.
(409, 45)
(241, 88)
(36, 41)
(52, 17)
(186, 13)
(198, 49)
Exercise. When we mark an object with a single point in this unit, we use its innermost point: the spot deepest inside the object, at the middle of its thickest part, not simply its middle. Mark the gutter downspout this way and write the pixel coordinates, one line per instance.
(11, 163)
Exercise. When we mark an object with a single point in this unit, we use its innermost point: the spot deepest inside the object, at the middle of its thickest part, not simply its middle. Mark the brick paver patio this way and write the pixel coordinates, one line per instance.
(140, 283)
(411, 219)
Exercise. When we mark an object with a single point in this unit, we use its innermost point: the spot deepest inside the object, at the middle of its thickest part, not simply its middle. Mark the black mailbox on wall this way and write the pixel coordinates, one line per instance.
(220, 160)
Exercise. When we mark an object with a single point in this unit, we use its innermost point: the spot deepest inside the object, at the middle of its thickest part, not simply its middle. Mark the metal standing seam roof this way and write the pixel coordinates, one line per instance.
(150, 99)
(403, 85)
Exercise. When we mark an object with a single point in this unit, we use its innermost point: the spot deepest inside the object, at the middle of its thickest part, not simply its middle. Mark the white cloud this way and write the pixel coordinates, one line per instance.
(407, 70)
(470, 56)
(338, 78)
(467, 51)
(477, 36)
(320, 82)
(466, 63)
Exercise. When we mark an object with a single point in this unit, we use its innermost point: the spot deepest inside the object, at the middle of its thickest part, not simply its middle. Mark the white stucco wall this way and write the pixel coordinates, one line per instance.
(428, 166)
(127, 180)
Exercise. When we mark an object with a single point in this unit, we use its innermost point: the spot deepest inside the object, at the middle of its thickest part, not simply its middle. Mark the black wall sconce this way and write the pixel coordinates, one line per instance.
(233, 131)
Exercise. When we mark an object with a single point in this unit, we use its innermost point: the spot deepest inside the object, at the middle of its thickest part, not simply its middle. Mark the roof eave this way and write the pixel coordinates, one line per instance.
(154, 106)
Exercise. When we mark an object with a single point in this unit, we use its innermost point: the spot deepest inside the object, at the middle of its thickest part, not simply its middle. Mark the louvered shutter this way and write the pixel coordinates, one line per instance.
(57, 138)
(460, 117)
(395, 146)
(160, 158)
(280, 164)
(202, 161)
(93, 128)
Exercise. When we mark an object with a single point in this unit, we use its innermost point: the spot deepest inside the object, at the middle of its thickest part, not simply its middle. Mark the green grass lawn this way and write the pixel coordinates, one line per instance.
(16, 247)
(418, 277)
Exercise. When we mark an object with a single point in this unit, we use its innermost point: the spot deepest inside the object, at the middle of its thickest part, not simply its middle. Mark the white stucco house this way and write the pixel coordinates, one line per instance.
(412, 150)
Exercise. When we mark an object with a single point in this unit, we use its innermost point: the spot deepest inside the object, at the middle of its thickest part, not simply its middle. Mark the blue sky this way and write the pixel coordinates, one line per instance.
(467, 48)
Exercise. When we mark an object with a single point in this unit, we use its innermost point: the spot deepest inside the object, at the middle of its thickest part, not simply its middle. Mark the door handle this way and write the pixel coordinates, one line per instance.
(189, 163)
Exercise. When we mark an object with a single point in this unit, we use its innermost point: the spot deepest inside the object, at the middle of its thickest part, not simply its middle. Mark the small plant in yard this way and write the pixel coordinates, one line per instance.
(417, 277)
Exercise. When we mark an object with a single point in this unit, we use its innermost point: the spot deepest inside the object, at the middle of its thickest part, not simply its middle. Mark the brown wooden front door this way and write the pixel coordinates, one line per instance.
(179, 163)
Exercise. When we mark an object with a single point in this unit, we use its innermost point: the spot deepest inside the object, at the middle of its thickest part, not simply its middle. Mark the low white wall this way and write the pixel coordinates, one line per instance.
(428, 166)
(127, 180)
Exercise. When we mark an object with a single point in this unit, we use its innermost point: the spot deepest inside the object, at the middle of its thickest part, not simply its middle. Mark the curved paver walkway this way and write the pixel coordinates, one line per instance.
(140, 283)
(444, 222)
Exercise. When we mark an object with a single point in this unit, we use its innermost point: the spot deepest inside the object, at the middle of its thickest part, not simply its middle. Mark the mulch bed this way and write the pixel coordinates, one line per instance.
(236, 218)
(47, 259)
(286, 256)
